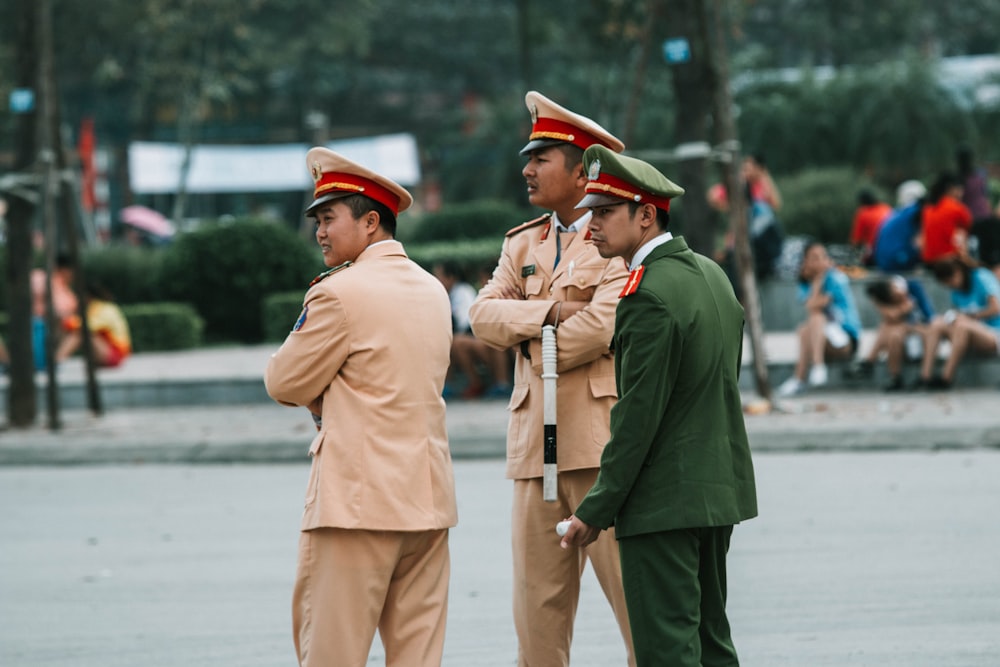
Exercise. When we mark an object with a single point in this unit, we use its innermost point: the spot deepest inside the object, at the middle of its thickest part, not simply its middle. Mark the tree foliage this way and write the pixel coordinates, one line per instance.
(454, 73)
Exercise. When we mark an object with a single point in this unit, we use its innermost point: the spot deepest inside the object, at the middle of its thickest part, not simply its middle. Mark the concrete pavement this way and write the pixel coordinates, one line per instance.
(858, 559)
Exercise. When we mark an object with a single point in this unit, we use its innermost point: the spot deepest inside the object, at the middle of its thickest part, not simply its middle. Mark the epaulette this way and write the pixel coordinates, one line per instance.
(330, 272)
(529, 225)
(632, 284)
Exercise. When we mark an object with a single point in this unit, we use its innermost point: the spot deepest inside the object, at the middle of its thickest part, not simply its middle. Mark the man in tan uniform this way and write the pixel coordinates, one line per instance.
(549, 273)
(374, 547)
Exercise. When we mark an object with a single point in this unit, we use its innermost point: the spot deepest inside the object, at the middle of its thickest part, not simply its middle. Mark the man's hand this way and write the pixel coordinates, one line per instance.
(563, 310)
(579, 534)
(508, 292)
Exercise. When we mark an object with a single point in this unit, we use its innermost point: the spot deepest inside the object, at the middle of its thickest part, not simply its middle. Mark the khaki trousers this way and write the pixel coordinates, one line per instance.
(350, 582)
(547, 577)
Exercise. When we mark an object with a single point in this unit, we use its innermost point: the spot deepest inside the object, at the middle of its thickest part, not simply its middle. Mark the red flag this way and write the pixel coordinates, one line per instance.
(85, 149)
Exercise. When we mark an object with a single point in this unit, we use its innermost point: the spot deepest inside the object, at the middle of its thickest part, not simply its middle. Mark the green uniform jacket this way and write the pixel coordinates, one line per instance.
(678, 455)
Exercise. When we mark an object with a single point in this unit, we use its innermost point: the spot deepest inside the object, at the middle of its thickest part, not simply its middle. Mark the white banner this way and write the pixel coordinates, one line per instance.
(154, 168)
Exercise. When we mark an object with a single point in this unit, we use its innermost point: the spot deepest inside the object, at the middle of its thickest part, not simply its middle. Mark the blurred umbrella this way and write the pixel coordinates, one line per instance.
(147, 220)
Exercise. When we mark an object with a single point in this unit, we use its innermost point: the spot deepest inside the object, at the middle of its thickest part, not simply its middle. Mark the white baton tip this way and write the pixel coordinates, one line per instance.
(562, 528)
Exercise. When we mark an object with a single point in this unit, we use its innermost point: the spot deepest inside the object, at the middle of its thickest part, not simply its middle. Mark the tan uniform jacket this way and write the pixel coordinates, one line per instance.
(374, 349)
(585, 364)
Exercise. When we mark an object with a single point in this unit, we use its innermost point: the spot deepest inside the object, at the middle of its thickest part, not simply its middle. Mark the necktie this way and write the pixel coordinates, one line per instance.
(560, 242)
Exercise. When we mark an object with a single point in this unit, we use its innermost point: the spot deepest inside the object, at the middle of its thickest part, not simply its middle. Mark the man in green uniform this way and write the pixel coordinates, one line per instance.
(676, 474)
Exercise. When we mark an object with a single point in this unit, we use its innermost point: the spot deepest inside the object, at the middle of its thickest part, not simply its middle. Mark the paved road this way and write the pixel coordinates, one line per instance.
(886, 559)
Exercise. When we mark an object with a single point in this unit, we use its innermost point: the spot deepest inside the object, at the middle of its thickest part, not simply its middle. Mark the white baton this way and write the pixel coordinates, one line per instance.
(549, 377)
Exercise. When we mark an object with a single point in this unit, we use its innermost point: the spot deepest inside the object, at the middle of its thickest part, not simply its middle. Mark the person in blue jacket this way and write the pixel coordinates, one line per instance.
(895, 247)
(832, 325)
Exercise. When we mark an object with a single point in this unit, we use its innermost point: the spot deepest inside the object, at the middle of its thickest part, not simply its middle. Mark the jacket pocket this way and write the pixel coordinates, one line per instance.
(518, 430)
(316, 443)
(582, 285)
(605, 394)
(533, 285)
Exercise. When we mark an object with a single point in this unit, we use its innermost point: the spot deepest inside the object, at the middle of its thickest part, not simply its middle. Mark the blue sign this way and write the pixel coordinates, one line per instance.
(22, 100)
(676, 50)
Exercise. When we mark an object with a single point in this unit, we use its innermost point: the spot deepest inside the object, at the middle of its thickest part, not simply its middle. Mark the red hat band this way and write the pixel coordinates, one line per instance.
(341, 182)
(611, 185)
(550, 128)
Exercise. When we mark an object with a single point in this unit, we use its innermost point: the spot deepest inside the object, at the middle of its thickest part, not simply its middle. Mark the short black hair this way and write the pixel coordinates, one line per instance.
(361, 204)
(662, 217)
(880, 292)
(572, 155)
(945, 268)
(866, 197)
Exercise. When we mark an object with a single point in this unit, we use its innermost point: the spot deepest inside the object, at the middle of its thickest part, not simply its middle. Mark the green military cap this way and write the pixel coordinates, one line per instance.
(613, 178)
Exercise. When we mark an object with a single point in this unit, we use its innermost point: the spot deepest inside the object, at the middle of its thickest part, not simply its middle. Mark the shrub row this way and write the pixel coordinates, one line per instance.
(154, 326)
(279, 313)
(163, 326)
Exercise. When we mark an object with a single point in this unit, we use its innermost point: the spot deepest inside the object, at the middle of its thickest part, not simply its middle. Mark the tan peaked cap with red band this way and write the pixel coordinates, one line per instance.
(336, 177)
(552, 124)
(613, 178)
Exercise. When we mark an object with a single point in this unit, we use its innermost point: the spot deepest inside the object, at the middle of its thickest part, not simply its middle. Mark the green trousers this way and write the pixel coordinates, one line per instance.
(675, 591)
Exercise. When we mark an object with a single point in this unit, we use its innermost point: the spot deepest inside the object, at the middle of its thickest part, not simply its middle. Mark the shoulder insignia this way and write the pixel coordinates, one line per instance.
(302, 318)
(632, 284)
(330, 272)
(528, 225)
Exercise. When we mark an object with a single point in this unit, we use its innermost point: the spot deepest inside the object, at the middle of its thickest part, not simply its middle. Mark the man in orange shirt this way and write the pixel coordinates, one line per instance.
(946, 221)
(868, 218)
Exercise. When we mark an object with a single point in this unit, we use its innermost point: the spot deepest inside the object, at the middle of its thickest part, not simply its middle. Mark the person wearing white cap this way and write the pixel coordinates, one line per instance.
(549, 273)
(373, 552)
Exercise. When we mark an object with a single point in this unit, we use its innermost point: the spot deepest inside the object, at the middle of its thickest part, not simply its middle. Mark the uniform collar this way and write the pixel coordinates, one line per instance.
(576, 226)
(648, 247)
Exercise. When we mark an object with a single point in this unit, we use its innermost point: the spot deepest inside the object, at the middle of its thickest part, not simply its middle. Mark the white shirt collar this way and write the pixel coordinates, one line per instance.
(577, 225)
(648, 247)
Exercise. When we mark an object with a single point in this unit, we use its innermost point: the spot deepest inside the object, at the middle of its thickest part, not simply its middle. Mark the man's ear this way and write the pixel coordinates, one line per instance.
(647, 215)
(580, 175)
(372, 220)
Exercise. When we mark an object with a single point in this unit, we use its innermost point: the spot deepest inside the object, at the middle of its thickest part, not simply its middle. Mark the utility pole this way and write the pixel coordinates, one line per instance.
(725, 136)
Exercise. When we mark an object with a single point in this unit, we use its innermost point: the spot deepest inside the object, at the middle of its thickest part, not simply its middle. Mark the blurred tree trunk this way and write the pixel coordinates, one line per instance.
(48, 128)
(724, 136)
(694, 107)
(22, 398)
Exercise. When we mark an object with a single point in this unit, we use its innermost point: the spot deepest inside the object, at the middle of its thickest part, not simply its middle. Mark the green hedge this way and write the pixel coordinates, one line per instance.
(485, 219)
(474, 258)
(226, 270)
(163, 326)
(820, 203)
(130, 273)
(279, 313)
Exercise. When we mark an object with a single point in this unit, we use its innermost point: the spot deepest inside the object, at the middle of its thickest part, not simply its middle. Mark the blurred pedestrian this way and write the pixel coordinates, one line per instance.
(975, 184)
(832, 325)
(904, 311)
(896, 246)
(758, 178)
(368, 356)
(987, 234)
(945, 221)
(468, 353)
(766, 235)
(550, 274)
(868, 218)
(110, 337)
(64, 304)
(972, 324)
(676, 474)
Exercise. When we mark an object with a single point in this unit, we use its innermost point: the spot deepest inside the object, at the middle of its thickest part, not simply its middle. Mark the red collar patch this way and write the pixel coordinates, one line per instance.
(632, 284)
